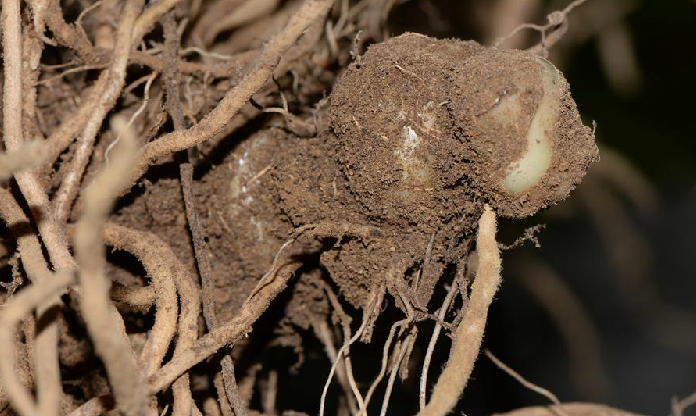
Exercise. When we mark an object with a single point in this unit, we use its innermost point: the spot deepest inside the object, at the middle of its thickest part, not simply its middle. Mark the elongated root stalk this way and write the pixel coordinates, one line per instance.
(469, 333)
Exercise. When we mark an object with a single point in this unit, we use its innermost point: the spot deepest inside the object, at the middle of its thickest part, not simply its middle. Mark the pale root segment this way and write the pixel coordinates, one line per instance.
(469, 333)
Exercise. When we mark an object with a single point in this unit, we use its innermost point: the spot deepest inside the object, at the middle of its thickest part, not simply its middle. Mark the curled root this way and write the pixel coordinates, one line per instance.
(161, 265)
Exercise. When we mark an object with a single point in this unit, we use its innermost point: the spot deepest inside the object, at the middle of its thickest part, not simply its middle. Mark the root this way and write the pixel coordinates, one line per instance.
(183, 399)
(135, 296)
(571, 409)
(451, 293)
(199, 247)
(402, 351)
(69, 187)
(469, 333)
(345, 372)
(572, 320)
(95, 406)
(678, 406)
(223, 403)
(46, 352)
(31, 187)
(61, 138)
(385, 362)
(164, 267)
(161, 265)
(246, 12)
(233, 101)
(551, 32)
(269, 286)
(28, 156)
(323, 333)
(373, 304)
(63, 94)
(526, 383)
(189, 293)
(13, 311)
(107, 333)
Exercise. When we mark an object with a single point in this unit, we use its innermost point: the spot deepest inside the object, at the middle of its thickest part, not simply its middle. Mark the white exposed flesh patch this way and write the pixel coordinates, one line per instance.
(414, 169)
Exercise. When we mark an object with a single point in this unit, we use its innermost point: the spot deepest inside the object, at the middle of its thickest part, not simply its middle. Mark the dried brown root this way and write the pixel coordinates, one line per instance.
(160, 264)
(31, 187)
(469, 333)
(13, 311)
(95, 406)
(102, 319)
(46, 352)
(345, 369)
(60, 138)
(244, 13)
(182, 397)
(201, 253)
(28, 243)
(233, 101)
(69, 187)
(506, 15)
(224, 405)
(190, 296)
(269, 286)
(66, 34)
(146, 21)
(212, 12)
(269, 393)
(373, 305)
(323, 333)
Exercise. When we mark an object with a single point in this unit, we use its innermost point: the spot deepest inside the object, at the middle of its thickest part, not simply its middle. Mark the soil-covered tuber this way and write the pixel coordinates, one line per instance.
(424, 124)
(420, 134)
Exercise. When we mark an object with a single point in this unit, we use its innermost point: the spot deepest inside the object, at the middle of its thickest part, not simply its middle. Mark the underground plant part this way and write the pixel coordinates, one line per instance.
(418, 135)
(421, 133)
(313, 216)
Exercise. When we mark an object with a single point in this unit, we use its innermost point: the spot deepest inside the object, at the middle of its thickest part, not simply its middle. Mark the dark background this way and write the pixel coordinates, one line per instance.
(622, 246)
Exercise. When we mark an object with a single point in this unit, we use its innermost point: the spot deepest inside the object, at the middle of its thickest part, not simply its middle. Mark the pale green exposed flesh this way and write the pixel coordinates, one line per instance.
(531, 167)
